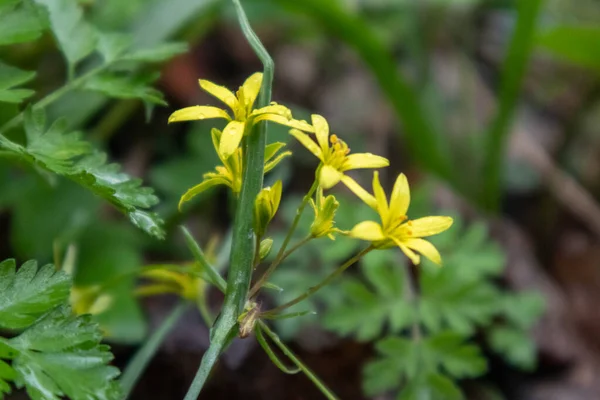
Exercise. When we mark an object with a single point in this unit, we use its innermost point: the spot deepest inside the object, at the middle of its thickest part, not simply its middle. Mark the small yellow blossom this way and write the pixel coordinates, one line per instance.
(167, 280)
(395, 228)
(89, 300)
(244, 116)
(325, 209)
(230, 173)
(334, 155)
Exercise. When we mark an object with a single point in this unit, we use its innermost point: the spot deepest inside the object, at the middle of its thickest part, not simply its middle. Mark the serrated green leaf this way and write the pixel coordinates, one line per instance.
(10, 77)
(161, 52)
(75, 37)
(112, 45)
(431, 387)
(28, 293)
(523, 309)
(577, 44)
(124, 87)
(60, 355)
(367, 309)
(20, 21)
(515, 345)
(65, 154)
(447, 350)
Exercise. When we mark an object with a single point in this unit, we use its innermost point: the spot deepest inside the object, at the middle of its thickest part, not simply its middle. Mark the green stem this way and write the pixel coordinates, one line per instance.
(281, 254)
(313, 289)
(140, 360)
(242, 249)
(263, 279)
(320, 385)
(513, 70)
(215, 278)
(271, 354)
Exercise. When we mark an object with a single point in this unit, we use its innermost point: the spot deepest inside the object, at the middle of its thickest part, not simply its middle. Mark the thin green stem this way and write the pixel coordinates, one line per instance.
(313, 289)
(263, 279)
(271, 354)
(140, 360)
(320, 385)
(513, 70)
(215, 278)
(242, 248)
(286, 241)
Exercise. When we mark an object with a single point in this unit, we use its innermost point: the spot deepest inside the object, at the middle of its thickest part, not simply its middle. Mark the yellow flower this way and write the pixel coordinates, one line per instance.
(334, 155)
(265, 207)
(230, 173)
(244, 116)
(168, 280)
(395, 228)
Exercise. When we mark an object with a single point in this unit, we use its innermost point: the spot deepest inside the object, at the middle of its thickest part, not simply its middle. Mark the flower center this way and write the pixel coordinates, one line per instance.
(337, 152)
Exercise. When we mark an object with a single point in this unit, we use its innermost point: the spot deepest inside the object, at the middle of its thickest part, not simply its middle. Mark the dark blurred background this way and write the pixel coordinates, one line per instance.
(493, 117)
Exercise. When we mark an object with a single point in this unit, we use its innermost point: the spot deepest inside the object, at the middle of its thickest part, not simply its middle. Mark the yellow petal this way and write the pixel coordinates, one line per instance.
(321, 131)
(276, 109)
(425, 248)
(292, 123)
(231, 138)
(329, 176)
(196, 190)
(251, 87)
(307, 142)
(198, 113)
(220, 92)
(273, 163)
(362, 194)
(382, 204)
(400, 198)
(364, 160)
(272, 149)
(368, 230)
(414, 257)
(423, 227)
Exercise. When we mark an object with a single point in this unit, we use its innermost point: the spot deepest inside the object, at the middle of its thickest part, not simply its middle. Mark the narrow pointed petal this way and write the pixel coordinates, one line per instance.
(231, 138)
(272, 149)
(220, 92)
(368, 230)
(400, 198)
(273, 163)
(196, 190)
(321, 131)
(276, 109)
(382, 204)
(364, 160)
(414, 257)
(358, 190)
(307, 142)
(292, 123)
(251, 87)
(426, 226)
(425, 248)
(198, 113)
(329, 176)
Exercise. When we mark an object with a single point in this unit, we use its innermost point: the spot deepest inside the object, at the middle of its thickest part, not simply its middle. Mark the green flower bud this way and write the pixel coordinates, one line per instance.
(265, 248)
(325, 209)
(265, 207)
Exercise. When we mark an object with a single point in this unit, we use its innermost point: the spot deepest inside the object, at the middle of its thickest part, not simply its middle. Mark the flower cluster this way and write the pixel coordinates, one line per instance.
(335, 160)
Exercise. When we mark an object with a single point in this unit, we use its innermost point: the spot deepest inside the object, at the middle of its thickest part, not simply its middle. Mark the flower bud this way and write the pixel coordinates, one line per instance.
(265, 248)
(265, 207)
(325, 209)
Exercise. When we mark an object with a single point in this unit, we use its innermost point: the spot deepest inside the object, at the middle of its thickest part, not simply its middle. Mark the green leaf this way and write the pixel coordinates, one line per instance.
(409, 361)
(28, 293)
(574, 43)
(10, 77)
(20, 21)
(515, 345)
(523, 309)
(161, 52)
(431, 387)
(112, 45)
(65, 154)
(124, 87)
(75, 37)
(368, 307)
(61, 355)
